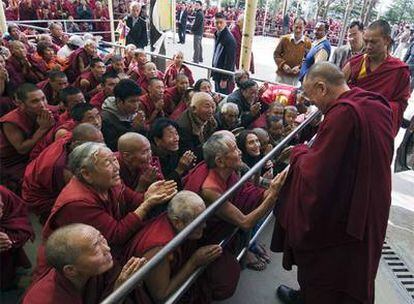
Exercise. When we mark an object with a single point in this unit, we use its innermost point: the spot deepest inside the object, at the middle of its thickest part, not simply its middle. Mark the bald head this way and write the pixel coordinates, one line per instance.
(327, 72)
(86, 132)
(131, 141)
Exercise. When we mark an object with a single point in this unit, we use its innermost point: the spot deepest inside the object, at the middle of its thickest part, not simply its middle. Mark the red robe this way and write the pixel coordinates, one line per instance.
(147, 105)
(237, 34)
(178, 111)
(16, 224)
(143, 81)
(93, 84)
(51, 96)
(79, 203)
(333, 209)
(97, 100)
(17, 77)
(172, 72)
(172, 99)
(391, 79)
(43, 178)
(131, 179)
(72, 70)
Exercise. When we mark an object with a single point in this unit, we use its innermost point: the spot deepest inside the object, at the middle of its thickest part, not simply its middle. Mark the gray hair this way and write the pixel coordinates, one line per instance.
(61, 247)
(84, 156)
(228, 106)
(182, 206)
(90, 42)
(133, 4)
(238, 75)
(200, 97)
(216, 145)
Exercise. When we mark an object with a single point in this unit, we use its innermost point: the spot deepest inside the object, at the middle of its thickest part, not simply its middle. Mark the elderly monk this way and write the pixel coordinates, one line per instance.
(152, 103)
(137, 167)
(96, 195)
(149, 71)
(377, 71)
(46, 176)
(21, 129)
(15, 231)
(175, 95)
(90, 81)
(79, 61)
(176, 68)
(228, 117)
(52, 86)
(216, 174)
(83, 270)
(108, 82)
(333, 211)
(197, 123)
(175, 269)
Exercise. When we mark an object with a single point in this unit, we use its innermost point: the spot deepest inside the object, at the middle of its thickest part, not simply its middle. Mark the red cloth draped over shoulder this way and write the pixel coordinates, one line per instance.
(72, 70)
(172, 72)
(15, 223)
(391, 79)
(113, 216)
(333, 209)
(97, 100)
(44, 179)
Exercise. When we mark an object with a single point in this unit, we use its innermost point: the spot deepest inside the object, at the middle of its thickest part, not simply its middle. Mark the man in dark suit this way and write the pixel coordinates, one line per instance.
(224, 55)
(182, 24)
(137, 23)
(198, 30)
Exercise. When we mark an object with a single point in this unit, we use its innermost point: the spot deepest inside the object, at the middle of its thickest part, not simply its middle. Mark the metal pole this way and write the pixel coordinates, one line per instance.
(111, 20)
(3, 25)
(265, 17)
(174, 23)
(248, 34)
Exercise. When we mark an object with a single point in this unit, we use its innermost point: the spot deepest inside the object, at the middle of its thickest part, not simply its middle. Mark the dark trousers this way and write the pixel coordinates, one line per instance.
(181, 33)
(198, 49)
(227, 90)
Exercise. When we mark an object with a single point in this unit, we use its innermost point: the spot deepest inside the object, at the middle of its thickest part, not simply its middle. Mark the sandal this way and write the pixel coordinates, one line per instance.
(260, 251)
(254, 263)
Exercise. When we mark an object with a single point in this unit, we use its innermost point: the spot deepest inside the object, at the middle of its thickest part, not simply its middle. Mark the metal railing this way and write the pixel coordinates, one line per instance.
(132, 282)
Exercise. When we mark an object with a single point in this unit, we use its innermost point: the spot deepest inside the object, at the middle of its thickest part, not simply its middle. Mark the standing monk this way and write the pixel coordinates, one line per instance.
(333, 210)
(377, 71)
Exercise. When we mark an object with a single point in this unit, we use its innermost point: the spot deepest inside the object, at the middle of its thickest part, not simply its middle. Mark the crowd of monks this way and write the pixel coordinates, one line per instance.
(115, 157)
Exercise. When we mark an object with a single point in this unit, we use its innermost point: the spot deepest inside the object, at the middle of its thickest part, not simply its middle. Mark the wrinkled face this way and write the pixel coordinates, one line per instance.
(156, 89)
(205, 87)
(251, 94)
(252, 145)
(220, 23)
(73, 100)
(231, 117)
(178, 59)
(170, 139)
(140, 156)
(98, 69)
(94, 118)
(198, 232)
(109, 86)
(316, 93)
(95, 255)
(320, 30)
(130, 105)
(276, 129)
(290, 117)
(298, 28)
(105, 174)
(57, 31)
(91, 49)
(35, 102)
(182, 84)
(59, 84)
(232, 159)
(205, 110)
(376, 44)
(150, 70)
(118, 66)
(355, 36)
(18, 50)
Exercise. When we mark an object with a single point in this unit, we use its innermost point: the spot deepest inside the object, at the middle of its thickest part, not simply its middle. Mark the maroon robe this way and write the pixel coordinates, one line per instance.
(72, 70)
(237, 34)
(131, 179)
(6, 105)
(172, 72)
(51, 97)
(97, 100)
(333, 209)
(143, 81)
(114, 217)
(93, 84)
(391, 79)
(178, 111)
(58, 42)
(16, 224)
(219, 280)
(44, 179)
(147, 105)
(171, 99)
(17, 77)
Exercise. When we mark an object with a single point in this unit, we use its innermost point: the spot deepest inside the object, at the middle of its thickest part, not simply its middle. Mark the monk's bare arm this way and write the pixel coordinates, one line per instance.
(15, 137)
(347, 71)
(159, 282)
(233, 215)
(81, 65)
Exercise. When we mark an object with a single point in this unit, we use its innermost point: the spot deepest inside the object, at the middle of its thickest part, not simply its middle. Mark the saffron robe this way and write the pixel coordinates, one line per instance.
(172, 72)
(333, 210)
(43, 179)
(16, 224)
(113, 217)
(391, 79)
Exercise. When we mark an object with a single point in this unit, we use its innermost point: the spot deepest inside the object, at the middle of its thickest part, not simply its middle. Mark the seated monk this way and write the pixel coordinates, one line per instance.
(164, 133)
(197, 123)
(46, 176)
(45, 59)
(117, 66)
(149, 71)
(108, 82)
(120, 113)
(58, 37)
(69, 96)
(95, 195)
(174, 95)
(137, 167)
(129, 56)
(52, 86)
(90, 81)
(79, 61)
(228, 117)
(15, 231)
(19, 68)
(218, 173)
(152, 103)
(22, 128)
(177, 67)
(82, 269)
(136, 65)
(377, 71)
(219, 280)
(183, 105)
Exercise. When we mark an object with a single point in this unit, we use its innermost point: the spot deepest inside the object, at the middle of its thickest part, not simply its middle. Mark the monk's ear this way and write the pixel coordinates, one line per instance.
(321, 87)
(86, 175)
(69, 271)
(219, 162)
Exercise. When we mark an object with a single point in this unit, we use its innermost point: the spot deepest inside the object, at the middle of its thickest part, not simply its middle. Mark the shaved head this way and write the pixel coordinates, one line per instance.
(131, 141)
(326, 72)
(381, 25)
(86, 132)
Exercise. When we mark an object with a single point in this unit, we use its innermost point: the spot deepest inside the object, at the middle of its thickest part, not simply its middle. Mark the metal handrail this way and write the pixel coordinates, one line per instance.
(58, 20)
(132, 282)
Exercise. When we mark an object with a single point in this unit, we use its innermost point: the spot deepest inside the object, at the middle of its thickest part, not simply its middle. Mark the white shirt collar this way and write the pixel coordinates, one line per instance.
(292, 38)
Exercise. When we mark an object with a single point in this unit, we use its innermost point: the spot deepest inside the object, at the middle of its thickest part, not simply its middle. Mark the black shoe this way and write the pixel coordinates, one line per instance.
(288, 295)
